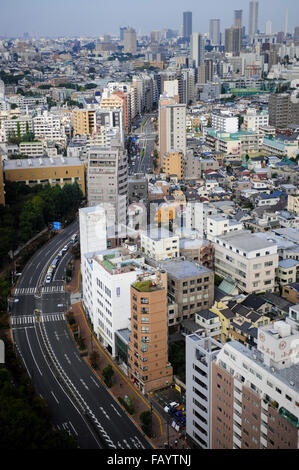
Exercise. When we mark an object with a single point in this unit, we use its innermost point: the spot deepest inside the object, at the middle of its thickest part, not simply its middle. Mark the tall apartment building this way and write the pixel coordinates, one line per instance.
(255, 393)
(253, 17)
(201, 353)
(224, 123)
(197, 49)
(172, 126)
(148, 364)
(107, 276)
(84, 121)
(187, 24)
(107, 178)
(110, 118)
(93, 229)
(248, 259)
(282, 110)
(238, 18)
(214, 32)
(130, 41)
(233, 40)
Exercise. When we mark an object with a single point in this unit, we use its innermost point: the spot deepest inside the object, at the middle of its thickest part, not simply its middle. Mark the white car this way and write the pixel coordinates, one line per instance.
(48, 279)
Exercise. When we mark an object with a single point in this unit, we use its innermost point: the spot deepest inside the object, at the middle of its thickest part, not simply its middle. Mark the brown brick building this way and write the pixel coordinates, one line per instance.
(148, 364)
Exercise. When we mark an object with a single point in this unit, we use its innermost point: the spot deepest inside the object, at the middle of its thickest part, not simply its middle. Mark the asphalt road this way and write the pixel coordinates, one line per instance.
(146, 140)
(97, 421)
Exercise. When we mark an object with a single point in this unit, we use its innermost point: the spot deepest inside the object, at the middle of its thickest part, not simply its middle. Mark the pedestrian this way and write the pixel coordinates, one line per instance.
(176, 443)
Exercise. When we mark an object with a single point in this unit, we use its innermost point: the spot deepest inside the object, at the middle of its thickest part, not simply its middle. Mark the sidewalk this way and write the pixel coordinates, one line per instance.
(121, 384)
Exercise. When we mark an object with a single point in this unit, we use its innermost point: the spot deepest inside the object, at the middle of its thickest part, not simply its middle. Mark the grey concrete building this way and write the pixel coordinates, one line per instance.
(190, 286)
(200, 354)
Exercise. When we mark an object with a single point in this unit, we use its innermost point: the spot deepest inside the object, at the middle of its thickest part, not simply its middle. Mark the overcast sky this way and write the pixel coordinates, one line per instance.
(97, 17)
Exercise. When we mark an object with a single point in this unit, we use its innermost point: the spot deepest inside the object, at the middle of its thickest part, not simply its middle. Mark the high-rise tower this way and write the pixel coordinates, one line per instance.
(253, 17)
(187, 24)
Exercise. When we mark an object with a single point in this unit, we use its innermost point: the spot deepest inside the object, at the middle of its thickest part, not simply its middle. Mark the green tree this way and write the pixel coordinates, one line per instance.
(108, 373)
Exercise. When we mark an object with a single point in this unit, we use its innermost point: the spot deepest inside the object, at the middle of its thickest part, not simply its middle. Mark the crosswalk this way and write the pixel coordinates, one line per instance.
(35, 290)
(28, 320)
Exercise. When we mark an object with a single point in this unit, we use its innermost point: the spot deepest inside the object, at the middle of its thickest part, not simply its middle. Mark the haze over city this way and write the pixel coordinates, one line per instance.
(95, 17)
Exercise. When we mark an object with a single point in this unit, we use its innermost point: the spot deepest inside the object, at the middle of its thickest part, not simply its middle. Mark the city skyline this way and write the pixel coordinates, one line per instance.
(78, 18)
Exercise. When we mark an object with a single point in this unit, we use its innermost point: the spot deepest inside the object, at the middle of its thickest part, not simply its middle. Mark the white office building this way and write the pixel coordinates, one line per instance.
(224, 123)
(107, 276)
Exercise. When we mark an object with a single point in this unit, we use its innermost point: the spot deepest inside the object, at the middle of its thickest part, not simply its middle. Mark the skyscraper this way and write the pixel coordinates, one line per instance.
(197, 49)
(253, 17)
(215, 32)
(238, 18)
(233, 38)
(269, 27)
(130, 43)
(187, 24)
(121, 32)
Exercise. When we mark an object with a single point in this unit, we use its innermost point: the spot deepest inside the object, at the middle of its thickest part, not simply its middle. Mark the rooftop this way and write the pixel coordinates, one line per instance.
(45, 162)
(247, 241)
(288, 375)
(181, 269)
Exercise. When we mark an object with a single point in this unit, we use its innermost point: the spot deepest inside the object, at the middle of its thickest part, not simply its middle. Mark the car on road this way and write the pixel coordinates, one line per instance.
(64, 249)
(48, 279)
(16, 300)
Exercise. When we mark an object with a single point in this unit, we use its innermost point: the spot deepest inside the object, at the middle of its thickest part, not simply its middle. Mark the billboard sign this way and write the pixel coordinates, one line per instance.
(56, 226)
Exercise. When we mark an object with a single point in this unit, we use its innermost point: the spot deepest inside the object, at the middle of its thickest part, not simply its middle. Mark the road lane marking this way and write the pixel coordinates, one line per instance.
(31, 351)
(73, 428)
(94, 381)
(54, 397)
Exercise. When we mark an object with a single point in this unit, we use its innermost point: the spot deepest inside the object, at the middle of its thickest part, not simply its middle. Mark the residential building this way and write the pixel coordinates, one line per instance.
(148, 364)
(137, 188)
(218, 225)
(210, 324)
(282, 110)
(107, 178)
(53, 171)
(255, 392)
(225, 123)
(201, 353)
(84, 121)
(197, 49)
(291, 292)
(107, 276)
(173, 164)
(293, 204)
(287, 271)
(32, 149)
(93, 230)
(253, 120)
(199, 250)
(172, 127)
(248, 259)
(190, 286)
(159, 243)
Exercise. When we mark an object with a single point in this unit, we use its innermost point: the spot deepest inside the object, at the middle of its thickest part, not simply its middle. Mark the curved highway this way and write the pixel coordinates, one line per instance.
(78, 401)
